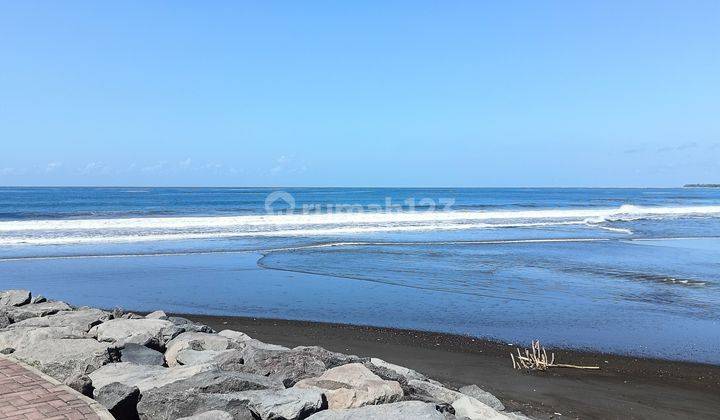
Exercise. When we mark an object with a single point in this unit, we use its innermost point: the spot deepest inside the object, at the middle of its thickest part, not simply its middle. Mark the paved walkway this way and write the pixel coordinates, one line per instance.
(26, 393)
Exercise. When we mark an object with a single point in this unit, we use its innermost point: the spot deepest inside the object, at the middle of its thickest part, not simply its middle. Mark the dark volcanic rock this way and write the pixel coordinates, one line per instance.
(121, 400)
(188, 325)
(141, 355)
(330, 358)
(80, 383)
(202, 392)
(288, 366)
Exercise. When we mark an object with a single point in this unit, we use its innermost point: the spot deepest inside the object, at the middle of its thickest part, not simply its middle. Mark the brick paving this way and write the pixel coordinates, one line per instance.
(28, 395)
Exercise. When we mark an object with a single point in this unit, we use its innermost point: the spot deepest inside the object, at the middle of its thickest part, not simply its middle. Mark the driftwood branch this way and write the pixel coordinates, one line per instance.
(537, 359)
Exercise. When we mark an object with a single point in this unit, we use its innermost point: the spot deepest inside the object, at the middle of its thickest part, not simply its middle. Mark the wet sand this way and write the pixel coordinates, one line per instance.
(625, 387)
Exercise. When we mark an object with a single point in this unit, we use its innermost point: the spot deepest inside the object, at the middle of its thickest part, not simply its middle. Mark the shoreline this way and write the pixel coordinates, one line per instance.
(625, 387)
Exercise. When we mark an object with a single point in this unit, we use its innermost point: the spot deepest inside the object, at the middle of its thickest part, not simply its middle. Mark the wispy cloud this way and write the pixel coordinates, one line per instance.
(287, 165)
(52, 166)
(157, 167)
(95, 168)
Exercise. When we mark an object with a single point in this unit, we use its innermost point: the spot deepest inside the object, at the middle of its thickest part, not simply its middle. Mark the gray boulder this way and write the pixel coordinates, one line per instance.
(38, 299)
(407, 373)
(287, 366)
(290, 404)
(147, 332)
(120, 400)
(14, 297)
(475, 410)
(205, 391)
(188, 325)
(21, 337)
(482, 396)
(198, 357)
(141, 355)
(172, 402)
(80, 383)
(210, 415)
(156, 315)
(62, 357)
(407, 410)
(33, 310)
(81, 319)
(353, 385)
(4, 319)
(432, 392)
(240, 340)
(196, 341)
(330, 358)
(144, 377)
(155, 405)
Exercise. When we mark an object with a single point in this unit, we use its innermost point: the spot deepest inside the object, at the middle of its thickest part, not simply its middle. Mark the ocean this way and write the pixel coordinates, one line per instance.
(630, 271)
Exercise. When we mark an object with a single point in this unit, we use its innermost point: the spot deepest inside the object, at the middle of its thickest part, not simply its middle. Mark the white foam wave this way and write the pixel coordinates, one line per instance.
(89, 231)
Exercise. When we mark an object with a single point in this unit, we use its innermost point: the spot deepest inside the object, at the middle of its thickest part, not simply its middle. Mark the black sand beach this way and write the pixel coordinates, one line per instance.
(625, 387)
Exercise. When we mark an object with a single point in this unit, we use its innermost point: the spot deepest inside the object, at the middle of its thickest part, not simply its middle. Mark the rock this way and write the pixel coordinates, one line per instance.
(188, 325)
(14, 297)
(147, 332)
(21, 337)
(126, 373)
(353, 385)
(211, 390)
(34, 310)
(202, 341)
(141, 355)
(131, 315)
(120, 399)
(210, 415)
(156, 315)
(170, 402)
(197, 357)
(473, 409)
(290, 404)
(220, 382)
(38, 299)
(234, 335)
(4, 319)
(240, 340)
(143, 376)
(82, 319)
(431, 392)
(80, 383)
(62, 357)
(517, 416)
(407, 410)
(330, 358)
(166, 406)
(287, 366)
(482, 396)
(407, 373)
(7, 350)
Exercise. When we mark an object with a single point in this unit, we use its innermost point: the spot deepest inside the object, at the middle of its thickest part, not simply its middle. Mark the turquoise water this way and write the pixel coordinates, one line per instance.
(624, 270)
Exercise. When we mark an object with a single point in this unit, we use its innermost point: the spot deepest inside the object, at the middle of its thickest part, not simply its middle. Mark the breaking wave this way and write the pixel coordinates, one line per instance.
(123, 230)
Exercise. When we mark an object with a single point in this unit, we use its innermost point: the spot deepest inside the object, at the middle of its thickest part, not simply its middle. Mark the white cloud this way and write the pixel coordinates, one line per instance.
(287, 165)
(52, 166)
(156, 167)
(95, 168)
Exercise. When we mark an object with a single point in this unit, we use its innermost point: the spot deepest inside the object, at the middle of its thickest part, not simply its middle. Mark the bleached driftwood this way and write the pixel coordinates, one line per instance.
(537, 359)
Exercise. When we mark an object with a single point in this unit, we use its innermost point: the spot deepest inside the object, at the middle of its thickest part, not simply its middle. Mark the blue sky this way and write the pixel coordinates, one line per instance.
(512, 93)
